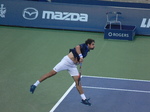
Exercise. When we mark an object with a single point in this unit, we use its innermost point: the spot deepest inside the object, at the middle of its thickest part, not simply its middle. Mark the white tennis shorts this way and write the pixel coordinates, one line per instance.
(67, 64)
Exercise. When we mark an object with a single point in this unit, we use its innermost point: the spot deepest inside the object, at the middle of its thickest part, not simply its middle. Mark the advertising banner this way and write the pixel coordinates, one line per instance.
(122, 33)
(70, 16)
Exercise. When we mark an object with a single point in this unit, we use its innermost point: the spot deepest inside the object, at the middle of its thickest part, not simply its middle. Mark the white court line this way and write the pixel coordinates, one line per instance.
(62, 98)
(115, 89)
(117, 78)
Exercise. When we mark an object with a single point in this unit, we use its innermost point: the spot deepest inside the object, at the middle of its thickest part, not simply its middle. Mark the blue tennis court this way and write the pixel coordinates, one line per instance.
(107, 95)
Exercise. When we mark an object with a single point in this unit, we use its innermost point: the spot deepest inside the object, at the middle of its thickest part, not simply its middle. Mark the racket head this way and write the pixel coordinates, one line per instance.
(80, 68)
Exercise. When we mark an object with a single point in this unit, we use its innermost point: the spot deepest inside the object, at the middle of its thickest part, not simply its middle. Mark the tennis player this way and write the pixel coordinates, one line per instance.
(69, 63)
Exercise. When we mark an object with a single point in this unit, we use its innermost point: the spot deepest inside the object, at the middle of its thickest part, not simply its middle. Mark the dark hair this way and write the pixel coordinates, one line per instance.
(89, 41)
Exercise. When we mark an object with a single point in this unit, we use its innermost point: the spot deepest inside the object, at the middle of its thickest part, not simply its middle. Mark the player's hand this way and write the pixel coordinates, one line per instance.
(81, 60)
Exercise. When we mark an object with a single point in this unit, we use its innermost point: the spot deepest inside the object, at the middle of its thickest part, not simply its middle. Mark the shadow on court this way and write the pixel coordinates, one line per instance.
(107, 95)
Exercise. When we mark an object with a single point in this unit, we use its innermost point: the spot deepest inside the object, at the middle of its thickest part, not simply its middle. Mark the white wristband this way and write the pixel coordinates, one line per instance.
(80, 55)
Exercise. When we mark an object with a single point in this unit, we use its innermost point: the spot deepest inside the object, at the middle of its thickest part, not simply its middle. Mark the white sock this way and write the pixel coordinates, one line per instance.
(83, 96)
(37, 83)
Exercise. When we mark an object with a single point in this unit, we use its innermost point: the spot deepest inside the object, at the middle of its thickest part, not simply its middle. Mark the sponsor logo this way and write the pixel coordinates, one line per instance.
(30, 13)
(145, 23)
(2, 11)
(67, 16)
(111, 34)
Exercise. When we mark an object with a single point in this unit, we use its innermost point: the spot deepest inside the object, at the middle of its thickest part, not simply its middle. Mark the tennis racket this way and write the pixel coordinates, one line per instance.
(80, 70)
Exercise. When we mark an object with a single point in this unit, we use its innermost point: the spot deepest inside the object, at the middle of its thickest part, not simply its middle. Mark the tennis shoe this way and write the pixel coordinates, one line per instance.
(86, 102)
(32, 88)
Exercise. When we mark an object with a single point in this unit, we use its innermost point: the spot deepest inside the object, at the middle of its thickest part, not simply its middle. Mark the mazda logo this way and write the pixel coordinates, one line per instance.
(30, 13)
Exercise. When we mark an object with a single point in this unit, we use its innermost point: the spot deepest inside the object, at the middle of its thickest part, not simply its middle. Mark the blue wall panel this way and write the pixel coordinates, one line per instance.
(70, 16)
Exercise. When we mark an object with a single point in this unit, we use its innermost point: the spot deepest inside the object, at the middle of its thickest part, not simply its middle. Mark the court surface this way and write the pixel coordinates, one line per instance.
(28, 53)
(107, 95)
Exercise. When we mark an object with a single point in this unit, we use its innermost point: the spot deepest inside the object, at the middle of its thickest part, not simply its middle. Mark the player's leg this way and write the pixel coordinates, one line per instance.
(78, 85)
(45, 76)
(59, 67)
(73, 71)
(80, 90)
